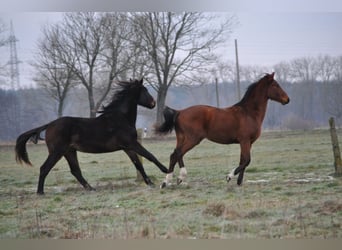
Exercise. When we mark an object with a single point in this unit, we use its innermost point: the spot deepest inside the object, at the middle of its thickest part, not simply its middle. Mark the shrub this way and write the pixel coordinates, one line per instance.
(294, 122)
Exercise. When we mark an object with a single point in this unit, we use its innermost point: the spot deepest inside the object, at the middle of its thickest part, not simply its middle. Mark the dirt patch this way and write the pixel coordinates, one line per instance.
(216, 209)
(330, 207)
(220, 209)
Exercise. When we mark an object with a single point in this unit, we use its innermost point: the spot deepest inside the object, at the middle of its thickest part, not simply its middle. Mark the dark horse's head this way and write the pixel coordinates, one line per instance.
(275, 92)
(128, 94)
(145, 99)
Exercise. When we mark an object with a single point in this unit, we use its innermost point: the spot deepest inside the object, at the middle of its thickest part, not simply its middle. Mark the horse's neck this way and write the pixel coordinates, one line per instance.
(129, 110)
(256, 106)
(132, 116)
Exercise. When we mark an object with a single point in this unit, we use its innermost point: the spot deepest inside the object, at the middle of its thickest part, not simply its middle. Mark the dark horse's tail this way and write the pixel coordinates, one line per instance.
(170, 116)
(20, 146)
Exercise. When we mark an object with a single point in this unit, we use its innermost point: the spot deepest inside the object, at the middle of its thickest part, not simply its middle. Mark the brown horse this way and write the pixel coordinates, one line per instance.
(240, 123)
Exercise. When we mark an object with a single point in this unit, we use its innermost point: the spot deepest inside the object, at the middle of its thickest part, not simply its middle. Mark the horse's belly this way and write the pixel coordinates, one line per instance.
(222, 133)
(92, 149)
(95, 147)
(222, 139)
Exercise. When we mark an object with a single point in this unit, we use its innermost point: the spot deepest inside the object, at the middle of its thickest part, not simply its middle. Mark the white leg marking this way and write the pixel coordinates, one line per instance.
(168, 179)
(230, 175)
(182, 175)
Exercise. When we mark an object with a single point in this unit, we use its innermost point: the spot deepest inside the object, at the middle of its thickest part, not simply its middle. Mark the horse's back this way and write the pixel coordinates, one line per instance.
(60, 130)
(64, 124)
(65, 129)
(90, 135)
(216, 124)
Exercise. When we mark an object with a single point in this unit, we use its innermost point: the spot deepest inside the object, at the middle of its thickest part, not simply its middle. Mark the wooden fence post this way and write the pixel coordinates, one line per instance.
(139, 177)
(336, 148)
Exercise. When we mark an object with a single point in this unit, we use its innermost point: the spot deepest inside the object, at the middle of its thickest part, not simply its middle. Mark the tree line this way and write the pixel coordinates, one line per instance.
(312, 101)
(317, 80)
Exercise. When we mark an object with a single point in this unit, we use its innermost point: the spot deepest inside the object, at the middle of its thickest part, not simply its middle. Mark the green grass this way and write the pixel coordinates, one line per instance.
(288, 192)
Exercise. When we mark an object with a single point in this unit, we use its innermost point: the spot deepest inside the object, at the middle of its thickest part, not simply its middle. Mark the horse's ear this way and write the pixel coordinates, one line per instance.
(141, 80)
(270, 77)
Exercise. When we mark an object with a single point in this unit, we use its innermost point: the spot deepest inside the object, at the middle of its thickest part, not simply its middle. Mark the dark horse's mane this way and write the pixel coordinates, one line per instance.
(121, 89)
(249, 91)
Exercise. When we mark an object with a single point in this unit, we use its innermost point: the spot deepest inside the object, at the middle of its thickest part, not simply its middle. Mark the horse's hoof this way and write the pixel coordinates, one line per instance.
(89, 188)
(40, 193)
(163, 185)
(151, 185)
(228, 178)
(179, 181)
(164, 170)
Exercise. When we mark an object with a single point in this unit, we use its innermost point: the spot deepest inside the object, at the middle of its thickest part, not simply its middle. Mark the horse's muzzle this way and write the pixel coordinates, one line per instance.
(285, 101)
(153, 104)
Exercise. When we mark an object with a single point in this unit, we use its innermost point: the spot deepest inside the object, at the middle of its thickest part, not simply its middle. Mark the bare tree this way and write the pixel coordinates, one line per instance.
(303, 69)
(92, 45)
(282, 70)
(332, 100)
(337, 74)
(332, 85)
(179, 45)
(325, 66)
(52, 73)
(251, 73)
(225, 70)
(118, 56)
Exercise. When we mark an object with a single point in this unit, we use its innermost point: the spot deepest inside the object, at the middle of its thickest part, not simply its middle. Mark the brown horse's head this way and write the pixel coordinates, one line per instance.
(275, 92)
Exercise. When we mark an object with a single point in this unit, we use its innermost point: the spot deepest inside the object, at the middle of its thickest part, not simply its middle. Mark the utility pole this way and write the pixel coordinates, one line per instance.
(217, 93)
(237, 72)
(13, 62)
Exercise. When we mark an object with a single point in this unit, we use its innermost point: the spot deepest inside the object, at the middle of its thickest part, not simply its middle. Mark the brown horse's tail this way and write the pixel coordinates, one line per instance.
(170, 116)
(20, 146)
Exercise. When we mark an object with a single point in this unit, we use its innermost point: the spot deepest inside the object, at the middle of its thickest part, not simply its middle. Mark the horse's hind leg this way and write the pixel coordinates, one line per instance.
(51, 161)
(177, 156)
(186, 147)
(137, 163)
(182, 172)
(71, 157)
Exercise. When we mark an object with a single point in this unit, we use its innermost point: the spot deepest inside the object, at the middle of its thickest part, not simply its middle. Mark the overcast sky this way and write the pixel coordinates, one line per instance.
(264, 37)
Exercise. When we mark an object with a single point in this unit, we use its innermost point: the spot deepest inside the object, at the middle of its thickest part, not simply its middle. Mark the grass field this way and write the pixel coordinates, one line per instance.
(288, 192)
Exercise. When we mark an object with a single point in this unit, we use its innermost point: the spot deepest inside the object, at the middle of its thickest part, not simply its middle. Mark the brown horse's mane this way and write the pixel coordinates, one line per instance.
(250, 90)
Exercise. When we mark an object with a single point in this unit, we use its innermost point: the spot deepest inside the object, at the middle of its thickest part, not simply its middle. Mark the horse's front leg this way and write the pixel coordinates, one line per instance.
(245, 159)
(138, 165)
(168, 178)
(136, 147)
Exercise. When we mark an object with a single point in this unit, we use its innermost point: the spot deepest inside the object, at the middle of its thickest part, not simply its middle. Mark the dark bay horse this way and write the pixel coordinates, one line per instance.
(240, 123)
(113, 130)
